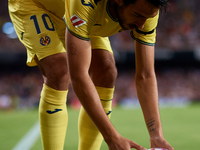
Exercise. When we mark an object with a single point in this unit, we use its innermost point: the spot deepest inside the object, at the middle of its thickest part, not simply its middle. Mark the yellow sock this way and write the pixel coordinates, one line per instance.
(89, 136)
(53, 118)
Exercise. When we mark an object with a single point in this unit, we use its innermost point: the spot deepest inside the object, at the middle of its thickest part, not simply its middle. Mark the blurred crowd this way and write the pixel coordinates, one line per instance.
(22, 90)
(19, 89)
(176, 86)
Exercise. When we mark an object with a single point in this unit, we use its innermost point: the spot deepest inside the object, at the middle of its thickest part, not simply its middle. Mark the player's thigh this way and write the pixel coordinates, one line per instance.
(37, 30)
(54, 67)
(55, 72)
(102, 55)
(103, 69)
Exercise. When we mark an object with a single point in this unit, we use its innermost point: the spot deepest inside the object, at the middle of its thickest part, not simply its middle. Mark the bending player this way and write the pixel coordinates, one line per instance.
(92, 65)
(41, 29)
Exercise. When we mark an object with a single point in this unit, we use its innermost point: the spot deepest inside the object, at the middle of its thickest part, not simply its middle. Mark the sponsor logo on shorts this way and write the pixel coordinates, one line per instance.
(45, 40)
(76, 21)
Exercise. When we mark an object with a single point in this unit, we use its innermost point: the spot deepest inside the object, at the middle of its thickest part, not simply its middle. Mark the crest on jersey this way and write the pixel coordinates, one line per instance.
(45, 40)
(76, 21)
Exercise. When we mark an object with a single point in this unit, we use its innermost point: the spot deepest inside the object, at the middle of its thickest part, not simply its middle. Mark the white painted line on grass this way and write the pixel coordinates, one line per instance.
(29, 139)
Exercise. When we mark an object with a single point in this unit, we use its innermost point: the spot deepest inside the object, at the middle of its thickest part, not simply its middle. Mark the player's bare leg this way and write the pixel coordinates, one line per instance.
(55, 71)
(103, 73)
(52, 109)
(103, 70)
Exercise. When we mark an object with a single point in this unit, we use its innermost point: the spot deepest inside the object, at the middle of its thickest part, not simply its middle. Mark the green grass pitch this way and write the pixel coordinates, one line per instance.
(181, 127)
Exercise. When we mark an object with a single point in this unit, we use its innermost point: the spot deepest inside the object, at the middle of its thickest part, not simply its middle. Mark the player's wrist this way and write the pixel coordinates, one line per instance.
(156, 139)
(156, 134)
(160, 142)
(111, 137)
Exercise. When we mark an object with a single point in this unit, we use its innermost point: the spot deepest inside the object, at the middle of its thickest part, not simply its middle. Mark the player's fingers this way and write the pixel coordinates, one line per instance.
(136, 146)
(171, 148)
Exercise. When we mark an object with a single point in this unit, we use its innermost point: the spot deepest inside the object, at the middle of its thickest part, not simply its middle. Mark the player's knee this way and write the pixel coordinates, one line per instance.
(112, 73)
(58, 75)
(55, 69)
(108, 73)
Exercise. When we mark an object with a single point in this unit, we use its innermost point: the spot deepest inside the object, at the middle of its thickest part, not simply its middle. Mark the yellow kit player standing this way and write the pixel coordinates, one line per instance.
(40, 28)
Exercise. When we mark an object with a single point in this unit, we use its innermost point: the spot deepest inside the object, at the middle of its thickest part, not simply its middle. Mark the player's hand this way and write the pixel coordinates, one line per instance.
(122, 143)
(160, 142)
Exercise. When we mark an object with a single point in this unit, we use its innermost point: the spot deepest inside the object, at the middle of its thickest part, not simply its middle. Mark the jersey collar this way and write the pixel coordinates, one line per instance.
(108, 11)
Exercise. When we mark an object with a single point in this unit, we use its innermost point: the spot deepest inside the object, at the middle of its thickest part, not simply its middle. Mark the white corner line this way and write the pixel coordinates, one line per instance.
(29, 139)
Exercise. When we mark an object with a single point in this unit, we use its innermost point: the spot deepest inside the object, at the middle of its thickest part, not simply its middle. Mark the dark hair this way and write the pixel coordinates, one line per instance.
(158, 3)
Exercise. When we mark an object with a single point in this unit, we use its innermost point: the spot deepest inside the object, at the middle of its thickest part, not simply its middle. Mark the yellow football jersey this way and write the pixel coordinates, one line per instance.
(87, 18)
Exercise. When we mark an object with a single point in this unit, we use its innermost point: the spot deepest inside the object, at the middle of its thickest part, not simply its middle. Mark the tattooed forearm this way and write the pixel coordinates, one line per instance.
(72, 49)
(150, 125)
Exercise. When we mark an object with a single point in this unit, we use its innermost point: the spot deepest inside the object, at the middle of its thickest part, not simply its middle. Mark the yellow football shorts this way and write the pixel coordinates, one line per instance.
(39, 27)
(98, 42)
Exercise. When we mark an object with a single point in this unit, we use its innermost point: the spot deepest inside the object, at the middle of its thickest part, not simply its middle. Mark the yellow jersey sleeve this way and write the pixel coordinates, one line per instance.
(147, 35)
(80, 17)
